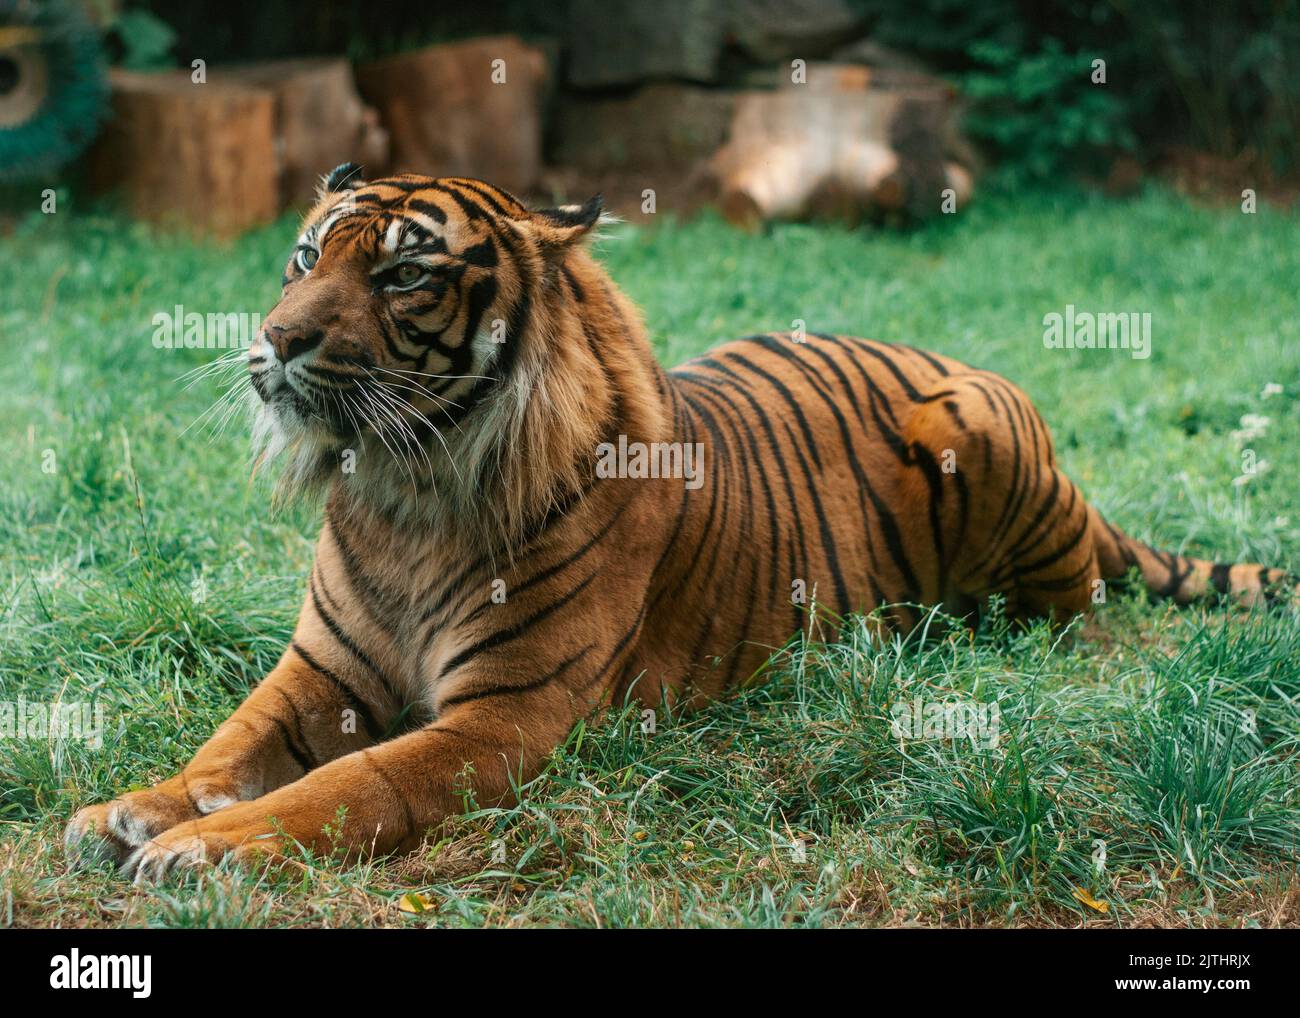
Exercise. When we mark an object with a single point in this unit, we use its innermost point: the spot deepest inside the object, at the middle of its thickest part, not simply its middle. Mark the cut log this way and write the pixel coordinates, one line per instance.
(320, 122)
(837, 145)
(449, 113)
(194, 155)
(787, 146)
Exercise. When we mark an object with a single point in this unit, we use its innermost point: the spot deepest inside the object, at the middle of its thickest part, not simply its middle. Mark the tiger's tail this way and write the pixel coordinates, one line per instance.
(1183, 579)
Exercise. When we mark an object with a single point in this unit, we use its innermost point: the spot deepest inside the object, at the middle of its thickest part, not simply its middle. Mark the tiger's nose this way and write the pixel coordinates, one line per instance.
(290, 342)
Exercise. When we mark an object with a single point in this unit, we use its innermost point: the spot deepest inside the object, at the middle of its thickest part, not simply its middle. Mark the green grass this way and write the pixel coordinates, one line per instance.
(1168, 735)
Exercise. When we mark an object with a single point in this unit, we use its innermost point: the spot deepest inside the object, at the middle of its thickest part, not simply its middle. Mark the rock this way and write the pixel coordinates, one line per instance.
(890, 66)
(669, 40)
(771, 30)
(660, 126)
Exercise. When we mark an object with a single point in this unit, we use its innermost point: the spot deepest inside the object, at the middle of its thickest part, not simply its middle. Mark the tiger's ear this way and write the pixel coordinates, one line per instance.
(559, 228)
(344, 177)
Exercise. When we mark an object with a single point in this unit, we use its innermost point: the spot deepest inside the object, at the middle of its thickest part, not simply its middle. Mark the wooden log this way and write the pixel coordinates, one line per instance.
(837, 144)
(787, 146)
(199, 156)
(448, 112)
(320, 122)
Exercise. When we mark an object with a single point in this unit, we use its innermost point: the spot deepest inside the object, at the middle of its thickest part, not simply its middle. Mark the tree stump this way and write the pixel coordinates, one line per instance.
(320, 122)
(464, 109)
(236, 150)
(184, 154)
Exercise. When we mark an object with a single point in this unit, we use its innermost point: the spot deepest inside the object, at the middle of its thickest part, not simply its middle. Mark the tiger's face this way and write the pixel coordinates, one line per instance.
(405, 301)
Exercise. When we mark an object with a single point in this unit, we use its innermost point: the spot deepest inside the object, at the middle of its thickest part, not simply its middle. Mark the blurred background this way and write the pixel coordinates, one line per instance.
(219, 116)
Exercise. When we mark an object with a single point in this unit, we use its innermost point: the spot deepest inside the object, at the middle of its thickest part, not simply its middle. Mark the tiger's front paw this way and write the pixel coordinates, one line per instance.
(200, 843)
(113, 830)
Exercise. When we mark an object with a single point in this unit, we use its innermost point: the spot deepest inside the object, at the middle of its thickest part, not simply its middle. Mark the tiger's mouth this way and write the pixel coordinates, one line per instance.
(291, 395)
(313, 414)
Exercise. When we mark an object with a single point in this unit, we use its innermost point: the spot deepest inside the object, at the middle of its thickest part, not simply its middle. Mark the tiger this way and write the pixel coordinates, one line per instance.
(447, 371)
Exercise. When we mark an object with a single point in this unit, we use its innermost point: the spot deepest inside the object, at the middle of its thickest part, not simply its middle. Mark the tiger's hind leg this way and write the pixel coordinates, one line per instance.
(1052, 567)
(1016, 526)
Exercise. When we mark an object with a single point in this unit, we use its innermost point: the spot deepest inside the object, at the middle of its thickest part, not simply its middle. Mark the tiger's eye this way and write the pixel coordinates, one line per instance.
(307, 258)
(408, 273)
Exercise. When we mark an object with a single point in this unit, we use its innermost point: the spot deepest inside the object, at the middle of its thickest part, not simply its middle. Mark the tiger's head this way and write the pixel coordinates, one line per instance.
(420, 324)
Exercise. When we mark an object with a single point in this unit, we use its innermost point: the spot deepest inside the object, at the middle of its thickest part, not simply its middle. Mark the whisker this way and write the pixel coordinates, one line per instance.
(226, 362)
(379, 430)
(402, 402)
(218, 409)
(415, 386)
(418, 389)
(426, 374)
(395, 404)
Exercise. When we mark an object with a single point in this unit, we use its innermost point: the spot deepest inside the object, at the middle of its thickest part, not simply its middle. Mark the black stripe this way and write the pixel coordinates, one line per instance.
(492, 195)
(434, 212)
(619, 647)
(547, 573)
(1056, 554)
(512, 632)
(361, 583)
(724, 402)
(884, 515)
(786, 394)
(347, 643)
(349, 695)
(927, 357)
(525, 687)
(569, 278)
(299, 757)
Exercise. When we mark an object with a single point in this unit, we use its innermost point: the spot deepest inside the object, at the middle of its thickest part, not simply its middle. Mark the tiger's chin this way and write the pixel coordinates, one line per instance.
(304, 458)
(303, 453)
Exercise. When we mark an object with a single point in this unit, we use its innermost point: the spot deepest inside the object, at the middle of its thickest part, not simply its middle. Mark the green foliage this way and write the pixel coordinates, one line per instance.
(144, 39)
(67, 66)
(1039, 113)
(1213, 76)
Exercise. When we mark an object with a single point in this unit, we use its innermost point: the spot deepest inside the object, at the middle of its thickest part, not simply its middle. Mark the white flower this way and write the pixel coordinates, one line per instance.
(1270, 389)
(1252, 426)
